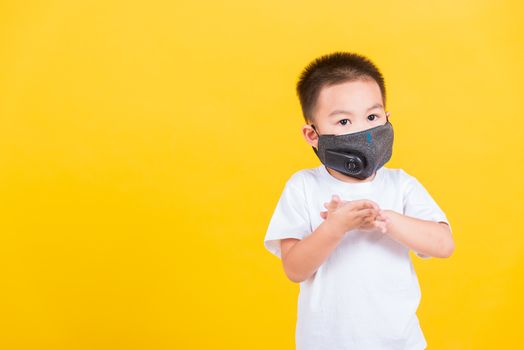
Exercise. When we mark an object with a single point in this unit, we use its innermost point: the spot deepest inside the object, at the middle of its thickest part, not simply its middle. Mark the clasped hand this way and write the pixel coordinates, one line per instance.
(362, 214)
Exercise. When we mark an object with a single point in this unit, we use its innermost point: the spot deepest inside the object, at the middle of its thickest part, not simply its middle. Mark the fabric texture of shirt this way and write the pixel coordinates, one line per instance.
(364, 296)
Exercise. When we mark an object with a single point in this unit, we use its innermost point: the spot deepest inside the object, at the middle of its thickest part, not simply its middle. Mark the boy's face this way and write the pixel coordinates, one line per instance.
(346, 108)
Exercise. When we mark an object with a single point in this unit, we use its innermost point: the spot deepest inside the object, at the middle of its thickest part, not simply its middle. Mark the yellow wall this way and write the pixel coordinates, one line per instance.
(143, 147)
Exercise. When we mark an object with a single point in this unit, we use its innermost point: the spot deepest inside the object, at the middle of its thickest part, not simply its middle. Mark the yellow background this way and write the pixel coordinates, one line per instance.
(144, 145)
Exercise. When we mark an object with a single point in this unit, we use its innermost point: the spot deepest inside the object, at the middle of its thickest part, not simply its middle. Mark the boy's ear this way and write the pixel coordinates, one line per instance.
(310, 135)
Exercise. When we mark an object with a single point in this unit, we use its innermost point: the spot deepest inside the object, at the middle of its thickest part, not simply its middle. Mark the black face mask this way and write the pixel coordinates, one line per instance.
(359, 154)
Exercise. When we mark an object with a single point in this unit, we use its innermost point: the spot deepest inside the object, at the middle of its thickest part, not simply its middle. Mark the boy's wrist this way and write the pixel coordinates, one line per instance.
(335, 227)
(391, 216)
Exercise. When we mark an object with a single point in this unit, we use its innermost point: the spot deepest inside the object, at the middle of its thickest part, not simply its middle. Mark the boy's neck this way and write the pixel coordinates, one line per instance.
(342, 177)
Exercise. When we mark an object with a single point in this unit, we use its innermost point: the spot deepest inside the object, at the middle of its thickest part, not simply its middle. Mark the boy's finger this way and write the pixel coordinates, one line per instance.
(373, 204)
(334, 203)
(381, 226)
(362, 213)
(364, 203)
(381, 217)
(330, 205)
(369, 220)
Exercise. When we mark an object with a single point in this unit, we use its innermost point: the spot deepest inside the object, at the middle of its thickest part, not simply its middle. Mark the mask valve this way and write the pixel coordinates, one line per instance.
(346, 163)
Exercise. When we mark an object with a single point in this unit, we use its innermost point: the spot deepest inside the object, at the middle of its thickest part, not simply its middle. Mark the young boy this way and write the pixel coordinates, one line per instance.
(344, 229)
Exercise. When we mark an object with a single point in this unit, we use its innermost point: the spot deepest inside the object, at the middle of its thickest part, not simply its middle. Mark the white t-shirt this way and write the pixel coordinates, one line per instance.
(365, 295)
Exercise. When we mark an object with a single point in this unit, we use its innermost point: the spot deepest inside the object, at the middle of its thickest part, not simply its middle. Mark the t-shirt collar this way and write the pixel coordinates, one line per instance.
(353, 185)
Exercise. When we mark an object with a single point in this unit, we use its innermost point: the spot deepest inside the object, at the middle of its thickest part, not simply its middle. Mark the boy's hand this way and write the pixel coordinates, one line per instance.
(363, 214)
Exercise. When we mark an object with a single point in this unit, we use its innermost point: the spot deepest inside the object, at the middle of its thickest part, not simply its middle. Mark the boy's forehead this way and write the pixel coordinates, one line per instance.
(352, 97)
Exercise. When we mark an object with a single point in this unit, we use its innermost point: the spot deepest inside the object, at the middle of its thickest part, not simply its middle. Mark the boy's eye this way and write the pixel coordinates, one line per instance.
(372, 117)
(344, 121)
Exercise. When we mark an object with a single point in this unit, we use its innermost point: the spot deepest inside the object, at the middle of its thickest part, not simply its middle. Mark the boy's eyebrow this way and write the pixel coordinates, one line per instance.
(338, 111)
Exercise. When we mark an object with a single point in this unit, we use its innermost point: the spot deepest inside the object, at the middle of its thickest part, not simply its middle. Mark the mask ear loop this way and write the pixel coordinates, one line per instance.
(314, 129)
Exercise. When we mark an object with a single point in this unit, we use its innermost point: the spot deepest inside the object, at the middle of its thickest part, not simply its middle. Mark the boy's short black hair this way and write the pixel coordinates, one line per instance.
(334, 68)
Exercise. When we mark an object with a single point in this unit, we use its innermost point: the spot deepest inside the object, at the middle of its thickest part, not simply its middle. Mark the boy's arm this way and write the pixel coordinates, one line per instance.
(302, 258)
(423, 236)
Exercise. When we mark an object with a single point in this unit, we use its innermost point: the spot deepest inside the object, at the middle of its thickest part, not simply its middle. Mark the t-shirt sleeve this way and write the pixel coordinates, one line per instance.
(419, 204)
(290, 218)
